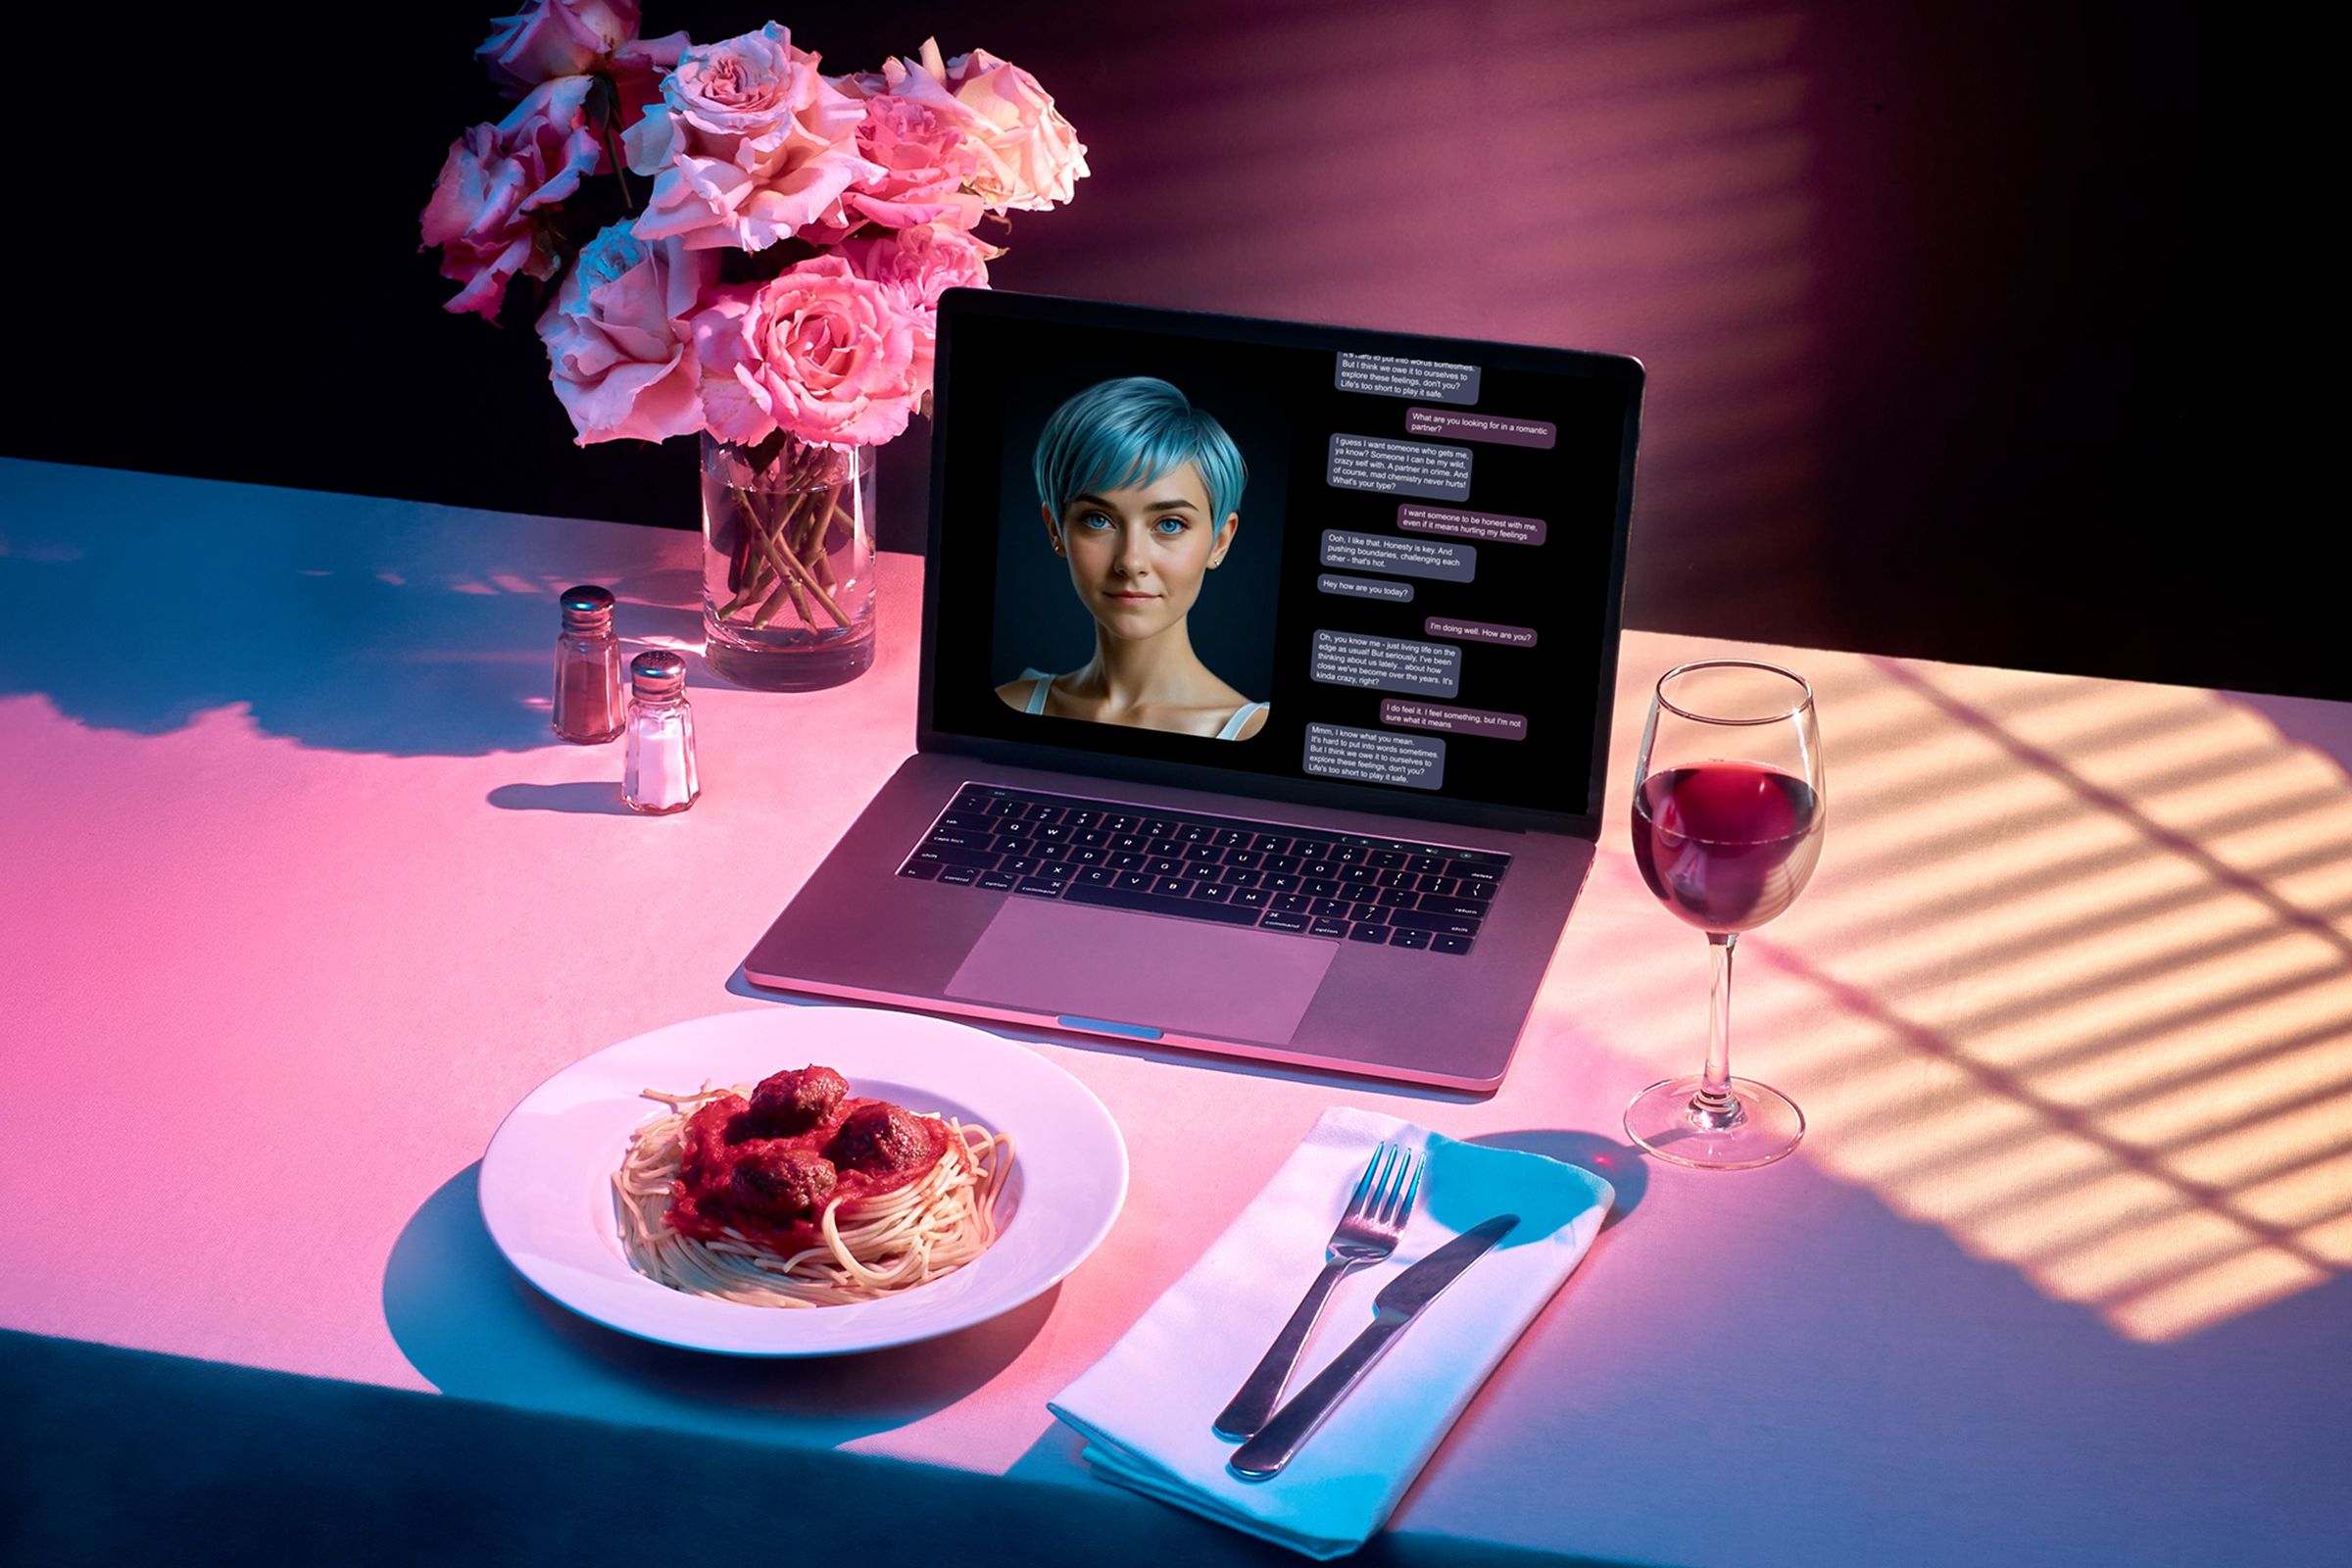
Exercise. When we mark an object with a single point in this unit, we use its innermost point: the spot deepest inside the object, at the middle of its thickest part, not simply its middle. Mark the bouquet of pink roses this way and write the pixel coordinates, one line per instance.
(843, 207)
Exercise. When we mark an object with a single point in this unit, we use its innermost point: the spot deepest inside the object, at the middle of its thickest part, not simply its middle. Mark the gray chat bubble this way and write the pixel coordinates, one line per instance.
(1399, 593)
(1375, 756)
(1399, 467)
(1386, 375)
(1398, 558)
(1386, 663)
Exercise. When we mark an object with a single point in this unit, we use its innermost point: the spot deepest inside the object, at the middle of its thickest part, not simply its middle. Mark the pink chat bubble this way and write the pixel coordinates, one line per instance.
(1414, 517)
(1464, 424)
(1452, 720)
(1478, 631)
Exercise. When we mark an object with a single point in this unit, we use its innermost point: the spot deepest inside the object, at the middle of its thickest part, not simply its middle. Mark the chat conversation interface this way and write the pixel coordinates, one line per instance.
(1440, 532)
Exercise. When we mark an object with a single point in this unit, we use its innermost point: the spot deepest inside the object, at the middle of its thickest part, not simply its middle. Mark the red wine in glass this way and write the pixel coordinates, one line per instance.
(1727, 819)
(1726, 846)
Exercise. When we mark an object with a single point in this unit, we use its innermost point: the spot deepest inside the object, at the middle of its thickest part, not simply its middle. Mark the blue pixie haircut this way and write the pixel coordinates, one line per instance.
(1116, 434)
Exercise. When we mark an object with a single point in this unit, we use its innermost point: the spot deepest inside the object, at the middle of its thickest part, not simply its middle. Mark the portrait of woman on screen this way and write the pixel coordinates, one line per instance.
(1140, 493)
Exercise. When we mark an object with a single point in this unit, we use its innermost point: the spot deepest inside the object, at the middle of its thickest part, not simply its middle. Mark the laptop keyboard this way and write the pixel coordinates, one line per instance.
(1229, 870)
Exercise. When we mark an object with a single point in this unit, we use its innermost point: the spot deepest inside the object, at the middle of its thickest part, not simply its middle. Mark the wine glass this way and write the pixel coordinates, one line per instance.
(1727, 813)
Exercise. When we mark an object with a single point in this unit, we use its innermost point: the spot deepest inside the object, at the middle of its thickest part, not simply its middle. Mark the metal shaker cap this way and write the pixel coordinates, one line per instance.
(657, 674)
(587, 607)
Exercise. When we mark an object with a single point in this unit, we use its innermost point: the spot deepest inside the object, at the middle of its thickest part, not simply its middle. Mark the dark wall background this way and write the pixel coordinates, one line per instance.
(1976, 330)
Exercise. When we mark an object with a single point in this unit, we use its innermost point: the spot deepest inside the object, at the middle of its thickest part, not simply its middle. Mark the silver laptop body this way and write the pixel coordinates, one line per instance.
(1431, 550)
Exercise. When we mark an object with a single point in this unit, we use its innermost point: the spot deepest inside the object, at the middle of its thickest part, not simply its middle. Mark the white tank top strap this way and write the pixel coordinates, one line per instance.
(1241, 716)
(1038, 692)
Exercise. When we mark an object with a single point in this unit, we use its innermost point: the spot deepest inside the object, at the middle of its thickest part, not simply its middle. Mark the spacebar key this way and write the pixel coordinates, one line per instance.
(1158, 903)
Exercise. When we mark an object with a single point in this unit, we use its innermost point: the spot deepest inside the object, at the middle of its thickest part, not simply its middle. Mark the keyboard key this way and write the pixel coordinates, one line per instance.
(1021, 865)
(1249, 898)
(1242, 879)
(1291, 903)
(1450, 944)
(1162, 865)
(1321, 868)
(1152, 903)
(1367, 933)
(1426, 865)
(1399, 897)
(1287, 864)
(1443, 924)
(1038, 887)
(940, 854)
(920, 870)
(1161, 843)
(1462, 908)
(1277, 883)
(1174, 887)
(1225, 837)
(996, 882)
(1326, 928)
(1283, 922)
(1440, 884)
(1217, 891)
(1094, 837)
(1325, 889)
(1311, 849)
(1124, 861)
(1135, 882)
(1335, 908)
(1246, 860)
(1405, 938)
(1202, 853)
(1387, 860)
(1368, 914)
(1271, 844)
(959, 875)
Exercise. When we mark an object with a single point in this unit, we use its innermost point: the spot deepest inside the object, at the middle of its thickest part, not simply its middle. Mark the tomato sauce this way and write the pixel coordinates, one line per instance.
(725, 1132)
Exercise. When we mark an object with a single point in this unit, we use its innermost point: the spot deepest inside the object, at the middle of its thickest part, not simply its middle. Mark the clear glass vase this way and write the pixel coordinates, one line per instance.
(788, 562)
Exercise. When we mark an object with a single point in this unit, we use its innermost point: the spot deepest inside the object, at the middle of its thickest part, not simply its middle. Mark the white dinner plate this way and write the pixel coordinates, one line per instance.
(546, 1189)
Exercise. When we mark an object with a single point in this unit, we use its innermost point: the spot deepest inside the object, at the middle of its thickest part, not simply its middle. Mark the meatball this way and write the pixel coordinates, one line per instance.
(788, 1102)
(781, 1184)
(882, 1138)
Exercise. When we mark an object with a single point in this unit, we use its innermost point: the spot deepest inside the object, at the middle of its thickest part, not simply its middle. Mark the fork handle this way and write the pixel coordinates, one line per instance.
(1253, 1407)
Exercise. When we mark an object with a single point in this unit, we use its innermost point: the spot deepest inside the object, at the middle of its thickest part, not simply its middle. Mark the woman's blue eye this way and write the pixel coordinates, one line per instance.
(1170, 525)
(1095, 521)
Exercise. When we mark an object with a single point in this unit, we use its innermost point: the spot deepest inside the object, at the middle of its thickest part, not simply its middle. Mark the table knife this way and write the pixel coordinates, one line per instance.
(1395, 1307)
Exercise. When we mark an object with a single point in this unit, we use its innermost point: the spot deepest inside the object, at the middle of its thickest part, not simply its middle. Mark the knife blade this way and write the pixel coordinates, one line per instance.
(1394, 1308)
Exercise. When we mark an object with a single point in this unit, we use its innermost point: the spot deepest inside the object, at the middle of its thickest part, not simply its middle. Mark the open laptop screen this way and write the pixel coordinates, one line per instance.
(1299, 561)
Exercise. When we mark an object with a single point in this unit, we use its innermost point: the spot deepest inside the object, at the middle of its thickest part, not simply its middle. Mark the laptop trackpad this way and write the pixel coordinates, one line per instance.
(1181, 977)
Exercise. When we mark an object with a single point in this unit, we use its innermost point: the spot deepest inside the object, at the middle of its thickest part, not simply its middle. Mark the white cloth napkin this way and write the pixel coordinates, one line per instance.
(1145, 1408)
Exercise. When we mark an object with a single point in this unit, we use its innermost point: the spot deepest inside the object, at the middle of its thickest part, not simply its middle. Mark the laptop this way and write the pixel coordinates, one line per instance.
(1266, 682)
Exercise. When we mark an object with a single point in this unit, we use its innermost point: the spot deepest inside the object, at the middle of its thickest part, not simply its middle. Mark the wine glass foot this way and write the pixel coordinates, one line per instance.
(1672, 1122)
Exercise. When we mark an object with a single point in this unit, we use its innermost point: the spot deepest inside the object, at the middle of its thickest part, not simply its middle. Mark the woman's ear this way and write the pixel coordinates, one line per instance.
(1052, 526)
(1233, 525)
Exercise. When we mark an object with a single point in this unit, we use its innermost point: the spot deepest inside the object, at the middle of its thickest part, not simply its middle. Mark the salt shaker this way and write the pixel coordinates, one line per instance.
(661, 776)
(587, 668)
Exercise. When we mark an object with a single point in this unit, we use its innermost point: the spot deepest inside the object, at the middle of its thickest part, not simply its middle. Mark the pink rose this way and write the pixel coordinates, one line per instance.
(818, 350)
(748, 144)
(924, 161)
(554, 38)
(915, 267)
(637, 68)
(619, 343)
(1030, 158)
(499, 187)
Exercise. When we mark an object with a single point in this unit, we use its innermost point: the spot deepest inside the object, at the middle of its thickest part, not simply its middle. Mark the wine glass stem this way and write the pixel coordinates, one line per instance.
(1715, 1106)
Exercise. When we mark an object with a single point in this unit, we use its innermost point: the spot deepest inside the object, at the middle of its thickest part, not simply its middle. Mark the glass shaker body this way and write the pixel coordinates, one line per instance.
(588, 705)
(659, 776)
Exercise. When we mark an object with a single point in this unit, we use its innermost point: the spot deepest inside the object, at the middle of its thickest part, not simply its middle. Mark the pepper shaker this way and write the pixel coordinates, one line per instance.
(587, 668)
(659, 778)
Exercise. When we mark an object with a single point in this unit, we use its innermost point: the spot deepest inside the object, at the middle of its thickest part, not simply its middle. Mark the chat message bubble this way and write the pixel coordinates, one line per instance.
(1386, 663)
(1500, 428)
(1453, 720)
(1396, 592)
(1375, 756)
(1493, 526)
(1399, 467)
(1387, 376)
(1398, 558)
(1480, 631)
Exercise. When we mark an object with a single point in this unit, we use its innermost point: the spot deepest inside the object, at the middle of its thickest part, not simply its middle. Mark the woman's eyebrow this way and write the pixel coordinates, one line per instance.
(1158, 503)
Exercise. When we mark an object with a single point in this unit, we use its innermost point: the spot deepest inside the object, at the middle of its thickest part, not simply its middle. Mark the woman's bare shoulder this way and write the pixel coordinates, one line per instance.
(1016, 693)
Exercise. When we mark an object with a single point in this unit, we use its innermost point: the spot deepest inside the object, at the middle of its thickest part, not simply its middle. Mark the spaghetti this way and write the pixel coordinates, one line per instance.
(870, 1238)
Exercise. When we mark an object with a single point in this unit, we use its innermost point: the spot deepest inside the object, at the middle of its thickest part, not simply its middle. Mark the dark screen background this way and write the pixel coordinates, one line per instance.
(1006, 371)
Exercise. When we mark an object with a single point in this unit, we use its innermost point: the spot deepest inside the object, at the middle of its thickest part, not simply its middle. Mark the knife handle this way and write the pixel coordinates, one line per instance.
(1275, 1445)
(1262, 1391)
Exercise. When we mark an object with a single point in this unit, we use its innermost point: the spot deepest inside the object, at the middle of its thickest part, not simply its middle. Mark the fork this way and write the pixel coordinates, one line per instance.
(1366, 1233)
